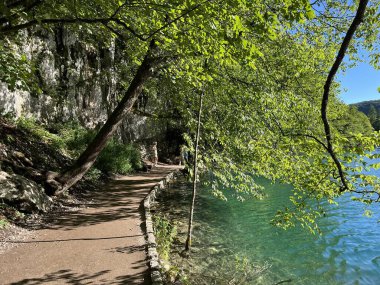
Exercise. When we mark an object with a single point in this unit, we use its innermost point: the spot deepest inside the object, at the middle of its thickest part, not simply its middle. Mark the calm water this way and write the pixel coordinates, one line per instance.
(348, 252)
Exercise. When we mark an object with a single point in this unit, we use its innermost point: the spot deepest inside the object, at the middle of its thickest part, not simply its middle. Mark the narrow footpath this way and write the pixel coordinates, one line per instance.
(103, 243)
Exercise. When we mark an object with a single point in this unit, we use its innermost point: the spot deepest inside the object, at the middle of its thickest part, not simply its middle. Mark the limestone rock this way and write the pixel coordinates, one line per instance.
(30, 196)
(21, 156)
(78, 82)
(156, 278)
(3, 152)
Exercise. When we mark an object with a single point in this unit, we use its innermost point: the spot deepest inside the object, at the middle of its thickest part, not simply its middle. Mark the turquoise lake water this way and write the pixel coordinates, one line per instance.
(348, 251)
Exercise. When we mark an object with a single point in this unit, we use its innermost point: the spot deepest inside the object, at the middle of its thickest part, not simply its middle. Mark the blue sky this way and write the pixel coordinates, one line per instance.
(361, 83)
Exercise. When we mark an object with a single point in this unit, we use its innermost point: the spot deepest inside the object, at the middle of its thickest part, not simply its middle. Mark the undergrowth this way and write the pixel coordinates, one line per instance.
(39, 131)
(119, 158)
(165, 233)
(3, 223)
(9, 214)
(72, 139)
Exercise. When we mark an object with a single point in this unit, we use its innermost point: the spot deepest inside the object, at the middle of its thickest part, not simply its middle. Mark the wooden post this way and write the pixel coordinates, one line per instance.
(190, 228)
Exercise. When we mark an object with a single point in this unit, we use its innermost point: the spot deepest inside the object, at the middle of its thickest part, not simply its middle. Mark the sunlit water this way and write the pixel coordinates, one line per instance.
(348, 252)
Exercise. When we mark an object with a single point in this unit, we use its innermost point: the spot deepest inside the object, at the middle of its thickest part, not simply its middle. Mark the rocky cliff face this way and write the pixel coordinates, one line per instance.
(76, 79)
(79, 82)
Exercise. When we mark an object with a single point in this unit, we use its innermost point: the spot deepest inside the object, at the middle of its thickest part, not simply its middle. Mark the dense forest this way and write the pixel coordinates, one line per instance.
(246, 89)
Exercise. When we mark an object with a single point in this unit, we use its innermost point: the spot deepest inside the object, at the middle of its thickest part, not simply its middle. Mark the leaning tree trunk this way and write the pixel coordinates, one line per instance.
(88, 157)
(195, 173)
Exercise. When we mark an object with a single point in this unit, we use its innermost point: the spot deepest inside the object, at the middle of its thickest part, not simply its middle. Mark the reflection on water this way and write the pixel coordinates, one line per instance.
(348, 252)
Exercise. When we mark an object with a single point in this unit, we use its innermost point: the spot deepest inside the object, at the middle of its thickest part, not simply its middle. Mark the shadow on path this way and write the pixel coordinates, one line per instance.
(119, 199)
(102, 243)
(67, 276)
(72, 239)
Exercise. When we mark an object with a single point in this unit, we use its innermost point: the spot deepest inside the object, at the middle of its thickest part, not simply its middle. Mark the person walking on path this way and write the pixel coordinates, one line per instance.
(154, 154)
(184, 155)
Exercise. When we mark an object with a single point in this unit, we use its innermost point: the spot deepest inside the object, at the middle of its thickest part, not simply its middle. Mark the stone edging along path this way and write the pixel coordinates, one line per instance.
(153, 258)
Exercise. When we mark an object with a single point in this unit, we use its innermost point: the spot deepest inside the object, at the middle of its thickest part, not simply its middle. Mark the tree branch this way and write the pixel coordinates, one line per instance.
(114, 31)
(119, 9)
(103, 21)
(16, 15)
(15, 3)
(150, 115)
(325, 99)
(177, 18)
(312, 137)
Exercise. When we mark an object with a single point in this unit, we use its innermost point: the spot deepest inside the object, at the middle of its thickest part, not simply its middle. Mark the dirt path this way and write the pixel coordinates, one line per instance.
(101, 244)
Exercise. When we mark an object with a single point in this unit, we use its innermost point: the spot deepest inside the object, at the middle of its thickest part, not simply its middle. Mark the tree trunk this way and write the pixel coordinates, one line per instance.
(326, 93)
(88, 157)
(190, 228)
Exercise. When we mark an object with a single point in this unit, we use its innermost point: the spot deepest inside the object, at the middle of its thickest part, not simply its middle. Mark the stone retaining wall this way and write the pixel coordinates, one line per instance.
(153, 259)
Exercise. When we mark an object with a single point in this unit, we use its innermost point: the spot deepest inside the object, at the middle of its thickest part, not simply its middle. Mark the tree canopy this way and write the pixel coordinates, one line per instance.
(262, 66)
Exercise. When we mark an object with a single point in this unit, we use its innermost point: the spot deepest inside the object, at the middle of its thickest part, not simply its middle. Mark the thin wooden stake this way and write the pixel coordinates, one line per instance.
(189, 232)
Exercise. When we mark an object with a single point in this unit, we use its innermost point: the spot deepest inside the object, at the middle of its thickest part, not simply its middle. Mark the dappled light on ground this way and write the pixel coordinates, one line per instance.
(101, 243)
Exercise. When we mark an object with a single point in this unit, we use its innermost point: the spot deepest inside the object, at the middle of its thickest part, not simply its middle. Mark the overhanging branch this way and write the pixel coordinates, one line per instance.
(195, 7)
(104, 21)
(16, 15)
(325, 99)
(7, 29)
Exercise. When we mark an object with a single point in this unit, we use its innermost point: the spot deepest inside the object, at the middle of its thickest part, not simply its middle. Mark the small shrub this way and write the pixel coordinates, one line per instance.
(119, 158)
(76, 137)
(3, 223)
(93, 174)
(72, 139)
(165, 233)
(115, 157)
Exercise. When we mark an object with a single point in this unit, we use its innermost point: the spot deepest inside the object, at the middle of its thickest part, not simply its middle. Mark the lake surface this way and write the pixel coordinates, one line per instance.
(229, 233)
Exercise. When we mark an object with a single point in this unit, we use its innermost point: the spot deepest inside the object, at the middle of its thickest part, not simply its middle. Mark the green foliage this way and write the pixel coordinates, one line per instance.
(353, 121)
(116, 157)
(72, 139)
(3, 223)
(190, 30)
(372, 114)
(262, 67)
(119, 158)
(93, 174)
(75, 136)
(370, 108)
(165, 233)
(366, 105)
(266, 122)
(31, 125)
(15, 68)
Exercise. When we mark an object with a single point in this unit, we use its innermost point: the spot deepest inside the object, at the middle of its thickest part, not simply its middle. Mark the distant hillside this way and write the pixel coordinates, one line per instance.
(372, 110)
(364, 106)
